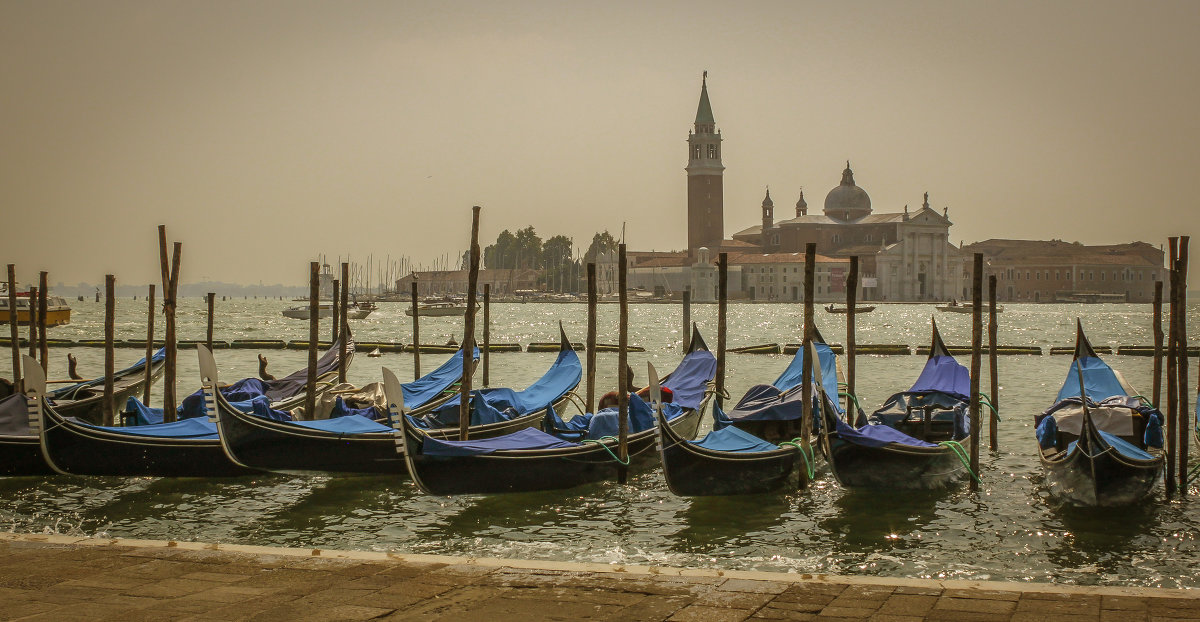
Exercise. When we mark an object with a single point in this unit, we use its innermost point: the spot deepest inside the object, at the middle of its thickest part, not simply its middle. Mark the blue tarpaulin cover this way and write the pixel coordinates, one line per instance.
(68, 391)
(418, 392)
(734, 440)
(528, 438)
(605, 423)
(877, 435)
(341, 409)
(690, 380)
(243, 395)
(764, 402)
(197, 428)
(14, 416)
(1098, 378)
(345, 425)
(562, 377)
(794, 373)
(945, 375)
(1122, 446)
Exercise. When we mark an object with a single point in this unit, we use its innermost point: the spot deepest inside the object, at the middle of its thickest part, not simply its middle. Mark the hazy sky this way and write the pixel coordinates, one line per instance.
(265, 133)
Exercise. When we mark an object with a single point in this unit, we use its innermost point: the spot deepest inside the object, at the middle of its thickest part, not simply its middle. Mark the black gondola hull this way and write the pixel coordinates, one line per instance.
(88, 405)
(692, 473)
(896, 467)
(268, 445)
(22, 455)
(1104, 480)
(532, 471)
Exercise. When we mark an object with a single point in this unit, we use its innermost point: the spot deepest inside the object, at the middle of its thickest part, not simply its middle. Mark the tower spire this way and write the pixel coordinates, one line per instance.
(704, 113)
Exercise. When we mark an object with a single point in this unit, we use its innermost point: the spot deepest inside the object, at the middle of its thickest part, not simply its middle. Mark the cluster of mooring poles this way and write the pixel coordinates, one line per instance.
(1178, 422)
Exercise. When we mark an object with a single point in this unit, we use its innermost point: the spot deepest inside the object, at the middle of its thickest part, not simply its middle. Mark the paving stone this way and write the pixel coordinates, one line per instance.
(889, 617)
(907, 604)
(757, 587)
(1049, 608)
(652, 608)
(701, 613)
(1129, 603)
(1124, 615)
(772, 613)
(733, 600)
(920, 591)
(854, 613)
(976, 605)
(982, 594)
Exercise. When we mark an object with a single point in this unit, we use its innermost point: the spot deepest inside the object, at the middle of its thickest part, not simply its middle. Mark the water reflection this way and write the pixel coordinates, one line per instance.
(712, 523)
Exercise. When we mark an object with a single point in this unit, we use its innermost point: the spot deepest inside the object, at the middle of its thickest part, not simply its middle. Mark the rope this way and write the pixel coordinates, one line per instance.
(987, 401)
(851, 396)
(1192, 475)
(1144, 400)
(810, 466)
(962, 456)
(600, 442)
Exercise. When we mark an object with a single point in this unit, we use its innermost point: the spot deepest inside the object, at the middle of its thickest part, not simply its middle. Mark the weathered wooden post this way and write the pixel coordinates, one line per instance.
(110, 318)
(1158, 343)
(344, 330)
(994, 419)
(1185, 421)
(590, 402)
(487, 330)
(1172, 364)
(806, 375)
(149, 375)
(43, 346)
(851, 301)
(314, 328)
(622, 365)
(687, 319)
(722, 319)
(976, 363)
(170, 283)
(416, 332)
(336, 325)
(468, 342)
(14, 335)
(33, 324)
(208, 339)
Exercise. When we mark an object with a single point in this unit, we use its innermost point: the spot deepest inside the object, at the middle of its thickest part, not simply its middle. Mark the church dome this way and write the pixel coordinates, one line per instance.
(847, 201)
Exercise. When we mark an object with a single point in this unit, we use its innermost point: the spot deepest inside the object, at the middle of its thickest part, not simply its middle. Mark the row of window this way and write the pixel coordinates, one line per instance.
(1089, 275)
(714, 152)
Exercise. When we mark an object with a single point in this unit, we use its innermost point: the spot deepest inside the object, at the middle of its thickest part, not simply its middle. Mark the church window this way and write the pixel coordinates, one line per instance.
(1039, 275)
(1056, 275)
(695, 152)
(1028, 276)
(775, 239)
(712, 152)
(837, 237)
(1092, 275)
(1114, 275)
(869, 237)
(1101, 275)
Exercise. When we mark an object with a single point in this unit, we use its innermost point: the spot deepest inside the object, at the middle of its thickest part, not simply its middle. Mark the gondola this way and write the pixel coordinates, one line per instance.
(1100, 444)
(918, 440)
(85, 400)
(533, 460)
(186, 448)
(772, 411)
(832, 308)
(358, 445)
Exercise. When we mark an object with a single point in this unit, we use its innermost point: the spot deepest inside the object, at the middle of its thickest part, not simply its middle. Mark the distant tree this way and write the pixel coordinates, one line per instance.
(556, 261)
(528, 249)
(601, 242)
(502, 254)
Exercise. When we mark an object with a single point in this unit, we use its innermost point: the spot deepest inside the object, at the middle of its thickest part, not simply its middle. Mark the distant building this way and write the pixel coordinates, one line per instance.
(1057, 271)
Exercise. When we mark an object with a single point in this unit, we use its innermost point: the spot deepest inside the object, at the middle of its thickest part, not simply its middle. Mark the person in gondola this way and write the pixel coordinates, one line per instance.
(609, 400)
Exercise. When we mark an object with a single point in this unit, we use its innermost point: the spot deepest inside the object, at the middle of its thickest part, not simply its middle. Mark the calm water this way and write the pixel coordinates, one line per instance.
(1009, 530)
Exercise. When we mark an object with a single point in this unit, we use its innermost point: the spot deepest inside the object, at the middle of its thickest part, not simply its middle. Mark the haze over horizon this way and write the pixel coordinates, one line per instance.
(266, 134)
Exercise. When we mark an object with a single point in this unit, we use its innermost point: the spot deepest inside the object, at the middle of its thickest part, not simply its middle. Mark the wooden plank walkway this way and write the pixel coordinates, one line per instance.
(68, 578)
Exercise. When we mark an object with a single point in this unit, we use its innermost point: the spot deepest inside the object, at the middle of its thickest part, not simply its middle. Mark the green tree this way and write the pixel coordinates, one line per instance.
(601, 242)
(528, 249)
(556, 261)
(502, 254)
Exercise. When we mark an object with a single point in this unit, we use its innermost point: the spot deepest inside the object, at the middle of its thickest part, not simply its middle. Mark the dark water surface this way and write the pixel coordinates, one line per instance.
(1007, 531)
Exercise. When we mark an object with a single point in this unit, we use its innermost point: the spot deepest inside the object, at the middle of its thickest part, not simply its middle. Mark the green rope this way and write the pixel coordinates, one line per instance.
(600, 442)
(1145, 400)
(1192, 474)
(983, 398)
(851, 396)
(810, 466)
(962, 456)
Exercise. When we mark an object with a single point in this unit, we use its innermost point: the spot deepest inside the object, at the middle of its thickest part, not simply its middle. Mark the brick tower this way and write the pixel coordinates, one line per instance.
(706, 211)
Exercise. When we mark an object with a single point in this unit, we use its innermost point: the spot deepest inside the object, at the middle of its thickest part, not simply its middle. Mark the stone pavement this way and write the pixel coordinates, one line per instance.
(68, 578)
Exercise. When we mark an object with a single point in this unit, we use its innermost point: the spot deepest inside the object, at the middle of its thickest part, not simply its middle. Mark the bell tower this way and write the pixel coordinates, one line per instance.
(706, 211)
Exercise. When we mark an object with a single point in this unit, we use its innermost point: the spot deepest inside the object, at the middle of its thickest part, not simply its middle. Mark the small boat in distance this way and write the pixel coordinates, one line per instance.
(356, 311)
(58, 312)
(955, 306)
(440, 309)
(833, 308)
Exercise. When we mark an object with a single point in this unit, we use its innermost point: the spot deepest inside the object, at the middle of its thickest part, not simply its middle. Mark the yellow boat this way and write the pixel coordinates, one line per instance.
(58, 312)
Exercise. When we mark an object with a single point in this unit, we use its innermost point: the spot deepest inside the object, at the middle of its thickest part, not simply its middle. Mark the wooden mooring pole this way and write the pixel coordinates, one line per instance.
(590, 354)
(33, 323)
(336, 325)
(806, 375)
(110, 317)
(170, 283)
(208, 339)
(722, 321)
(314, 329)
(487, 331)
(344, 330)
(468, 342)
(851, 301)
(1158, 343)
(43, 346)
(687, 319)
(416, 333)
(622, 365)
(994, 417)
(14, 335)
(976, 363)
(1185, 421)
(149, 374)
(1172, 365)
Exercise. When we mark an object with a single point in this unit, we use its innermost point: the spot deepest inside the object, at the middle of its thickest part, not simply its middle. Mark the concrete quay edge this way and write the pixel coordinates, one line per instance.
(648, 572)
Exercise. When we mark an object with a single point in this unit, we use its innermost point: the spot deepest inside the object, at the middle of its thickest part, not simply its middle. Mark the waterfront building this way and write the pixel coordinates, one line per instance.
(503, 281)
(1058, 271)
